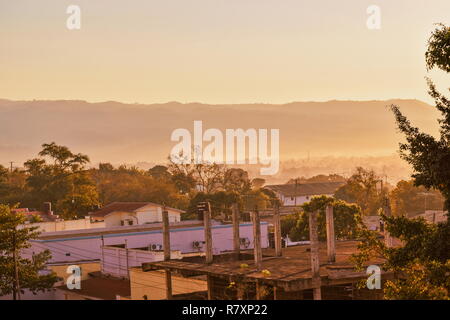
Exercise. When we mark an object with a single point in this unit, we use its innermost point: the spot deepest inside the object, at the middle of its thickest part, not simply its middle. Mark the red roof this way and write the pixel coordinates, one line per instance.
(125, 207)
(44, 215)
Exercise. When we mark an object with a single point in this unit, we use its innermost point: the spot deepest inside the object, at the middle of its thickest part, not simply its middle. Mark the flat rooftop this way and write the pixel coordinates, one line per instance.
(292, 271)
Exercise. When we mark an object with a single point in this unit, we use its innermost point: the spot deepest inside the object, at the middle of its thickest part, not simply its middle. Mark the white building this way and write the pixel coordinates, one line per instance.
(298, 194)
(133, 213)
(185, 237)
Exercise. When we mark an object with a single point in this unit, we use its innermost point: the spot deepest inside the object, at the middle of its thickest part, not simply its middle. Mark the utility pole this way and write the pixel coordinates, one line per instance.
(126, 256)
(295, 192)
(16, 290)
(11, 165)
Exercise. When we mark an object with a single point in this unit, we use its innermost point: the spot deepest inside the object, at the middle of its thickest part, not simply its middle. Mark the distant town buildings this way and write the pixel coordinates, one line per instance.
(133, 213)
(300, 193)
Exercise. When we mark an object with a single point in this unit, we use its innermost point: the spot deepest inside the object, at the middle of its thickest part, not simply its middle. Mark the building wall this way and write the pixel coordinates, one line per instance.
(86, 268)
(147, 214)
(153, 284)
(76, 247)
(115, 219)
(53, 226)
(115, 260)
(299, 200)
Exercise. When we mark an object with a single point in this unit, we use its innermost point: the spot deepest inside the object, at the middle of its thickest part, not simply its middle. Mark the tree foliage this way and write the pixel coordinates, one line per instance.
(410, 200)
(429, 156)
(421, 262)
(346, 219)
(364, 188)
(62, 181)
(14, 238)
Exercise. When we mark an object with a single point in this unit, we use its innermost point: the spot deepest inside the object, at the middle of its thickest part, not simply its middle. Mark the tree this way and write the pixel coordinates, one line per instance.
(131, 184)
(318, 178)
(430, 157)
(160, 172)
(258, 183)
(64, 181)
(236, 180)
(220, 202)
(13, 186)
(16, 272)
(422, 262)
(365, 189)
(408, 200)
(347, 217)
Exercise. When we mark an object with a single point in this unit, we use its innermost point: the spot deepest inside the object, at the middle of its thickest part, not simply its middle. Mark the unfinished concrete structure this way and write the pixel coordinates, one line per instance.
(316, 271)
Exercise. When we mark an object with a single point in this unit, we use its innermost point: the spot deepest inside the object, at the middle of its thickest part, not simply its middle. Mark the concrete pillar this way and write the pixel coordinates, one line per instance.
(166, 247)
(209, 286)
(236, 236)
(166, 235)
(315, 265)
(168, 285)
(208, 235)
(257, 239)
(277, 231)
(331, 238)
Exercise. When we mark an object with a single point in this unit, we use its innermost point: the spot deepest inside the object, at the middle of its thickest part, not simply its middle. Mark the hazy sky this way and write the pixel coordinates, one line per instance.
(216, 51)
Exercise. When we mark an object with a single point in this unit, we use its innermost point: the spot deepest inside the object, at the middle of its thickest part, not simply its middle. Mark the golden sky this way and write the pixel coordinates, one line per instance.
(216, 51)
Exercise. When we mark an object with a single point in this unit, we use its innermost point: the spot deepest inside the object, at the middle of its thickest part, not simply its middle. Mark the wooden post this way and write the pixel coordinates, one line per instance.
(331, 240)
(275, 293)
(236, 237)
(257, 239)
(209, 286)
(166, 247)
(208, 235)
(277, 233)
(315, 266)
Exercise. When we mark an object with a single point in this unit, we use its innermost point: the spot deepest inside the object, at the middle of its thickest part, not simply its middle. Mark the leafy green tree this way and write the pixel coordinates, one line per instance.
(62, 181)
(258, 183)
(409, 200)
(365, 189)
(132, 184)
(160, 172)
(220, 202)
(14, 238)
(13, 186)
(318, 178)
(347, 217)
(430, 157)
(236, 180)
(422, 262)
(288, 223)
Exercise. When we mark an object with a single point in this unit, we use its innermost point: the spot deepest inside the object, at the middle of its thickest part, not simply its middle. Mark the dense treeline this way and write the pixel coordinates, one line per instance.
(61, 177)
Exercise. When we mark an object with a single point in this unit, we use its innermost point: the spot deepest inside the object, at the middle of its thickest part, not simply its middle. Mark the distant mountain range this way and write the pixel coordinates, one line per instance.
(132, 133)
